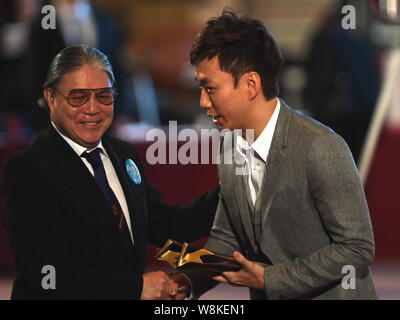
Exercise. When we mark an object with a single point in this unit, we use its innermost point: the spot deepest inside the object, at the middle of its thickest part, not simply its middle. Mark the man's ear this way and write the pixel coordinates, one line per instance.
(48, 95)
(253, 84)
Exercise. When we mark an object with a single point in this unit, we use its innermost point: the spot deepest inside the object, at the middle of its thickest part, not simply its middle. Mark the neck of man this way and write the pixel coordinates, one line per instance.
(259, 117)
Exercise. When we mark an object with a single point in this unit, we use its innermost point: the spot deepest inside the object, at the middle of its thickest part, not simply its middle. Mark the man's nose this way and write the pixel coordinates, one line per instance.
(92, 105)
(205, 101)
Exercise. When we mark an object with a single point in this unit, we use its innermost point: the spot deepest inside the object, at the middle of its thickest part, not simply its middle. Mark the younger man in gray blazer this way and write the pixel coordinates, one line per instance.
(298, 222)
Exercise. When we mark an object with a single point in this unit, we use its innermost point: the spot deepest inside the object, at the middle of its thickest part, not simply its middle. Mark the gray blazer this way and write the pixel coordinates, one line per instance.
(312, 218)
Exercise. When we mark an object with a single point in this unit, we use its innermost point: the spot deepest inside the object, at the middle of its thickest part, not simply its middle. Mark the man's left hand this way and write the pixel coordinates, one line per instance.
(251, 275)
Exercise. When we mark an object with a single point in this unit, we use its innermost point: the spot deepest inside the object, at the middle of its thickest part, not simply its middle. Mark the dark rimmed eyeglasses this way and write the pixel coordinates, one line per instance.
(78, 97)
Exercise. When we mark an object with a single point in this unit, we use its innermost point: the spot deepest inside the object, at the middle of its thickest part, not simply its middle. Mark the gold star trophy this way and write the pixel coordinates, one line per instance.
(186, 256)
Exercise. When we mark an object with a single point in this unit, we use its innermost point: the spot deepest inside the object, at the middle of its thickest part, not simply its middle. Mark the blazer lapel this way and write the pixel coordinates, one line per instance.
(246, 210)
(236, 180)
(134, 198)
(72, 172)
(275, 162)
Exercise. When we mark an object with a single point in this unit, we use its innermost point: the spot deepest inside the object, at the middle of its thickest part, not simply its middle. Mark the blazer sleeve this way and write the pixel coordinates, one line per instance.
(187, 222)
(181, 223)
(36, 237)
(178, 222)
(222, 241)
(340, 201)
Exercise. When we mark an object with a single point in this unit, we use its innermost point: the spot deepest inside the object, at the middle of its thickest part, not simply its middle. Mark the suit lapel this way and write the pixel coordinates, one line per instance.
(236, 180)
(73, 174)
(272, 173)
(275, 162)
(133, 195)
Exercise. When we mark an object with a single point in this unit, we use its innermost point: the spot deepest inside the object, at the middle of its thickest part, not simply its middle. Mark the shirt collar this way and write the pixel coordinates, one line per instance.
(263, 143)
(77, 147)
(264, 140)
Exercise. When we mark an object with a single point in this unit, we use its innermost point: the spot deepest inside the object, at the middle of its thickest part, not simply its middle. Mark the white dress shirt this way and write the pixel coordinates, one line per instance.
(256, 160)
(111, 175)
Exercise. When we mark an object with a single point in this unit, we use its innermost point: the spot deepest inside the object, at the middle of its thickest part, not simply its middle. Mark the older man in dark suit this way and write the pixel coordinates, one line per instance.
(78, 202)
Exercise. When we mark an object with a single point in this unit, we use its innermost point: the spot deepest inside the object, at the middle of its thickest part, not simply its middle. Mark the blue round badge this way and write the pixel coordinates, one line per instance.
(133, 171)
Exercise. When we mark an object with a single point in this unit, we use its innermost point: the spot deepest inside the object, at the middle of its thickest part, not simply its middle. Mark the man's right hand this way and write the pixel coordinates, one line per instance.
(155, 286)
(179, 287)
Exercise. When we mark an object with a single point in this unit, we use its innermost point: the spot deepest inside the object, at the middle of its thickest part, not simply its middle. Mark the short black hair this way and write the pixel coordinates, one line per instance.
(242, 45)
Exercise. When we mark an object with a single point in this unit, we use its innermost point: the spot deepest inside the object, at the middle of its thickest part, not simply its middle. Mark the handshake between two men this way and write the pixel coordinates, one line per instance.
(161, 286)
(235, 270)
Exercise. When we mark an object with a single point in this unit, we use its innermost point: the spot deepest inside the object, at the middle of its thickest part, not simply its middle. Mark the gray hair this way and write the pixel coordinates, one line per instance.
(71, 59)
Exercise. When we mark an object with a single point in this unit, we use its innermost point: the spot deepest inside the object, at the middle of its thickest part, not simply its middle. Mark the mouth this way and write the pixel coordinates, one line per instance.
(215, 119)
(90, 124)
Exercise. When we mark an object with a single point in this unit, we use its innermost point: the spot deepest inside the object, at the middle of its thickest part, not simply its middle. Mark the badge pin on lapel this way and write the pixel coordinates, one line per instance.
(133, 171)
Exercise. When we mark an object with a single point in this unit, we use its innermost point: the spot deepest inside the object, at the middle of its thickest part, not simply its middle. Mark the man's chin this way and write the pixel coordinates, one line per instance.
(90, 139)
(92, 144)
(88, 142)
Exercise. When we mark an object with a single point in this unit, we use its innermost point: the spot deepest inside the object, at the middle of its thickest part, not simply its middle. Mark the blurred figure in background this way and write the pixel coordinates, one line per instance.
(343, 78)
(15, 20)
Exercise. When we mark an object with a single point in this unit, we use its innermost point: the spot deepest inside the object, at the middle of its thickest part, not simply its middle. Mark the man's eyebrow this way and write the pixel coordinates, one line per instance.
(202, 81)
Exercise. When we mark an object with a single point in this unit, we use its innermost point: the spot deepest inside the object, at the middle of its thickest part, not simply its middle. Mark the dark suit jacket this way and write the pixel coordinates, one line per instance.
(311, 218)
(57, 215)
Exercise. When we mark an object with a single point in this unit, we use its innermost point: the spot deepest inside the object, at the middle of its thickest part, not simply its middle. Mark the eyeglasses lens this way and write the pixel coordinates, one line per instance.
(78, 97)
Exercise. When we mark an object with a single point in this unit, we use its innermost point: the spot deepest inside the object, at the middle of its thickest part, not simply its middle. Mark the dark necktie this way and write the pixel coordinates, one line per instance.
(94, 159)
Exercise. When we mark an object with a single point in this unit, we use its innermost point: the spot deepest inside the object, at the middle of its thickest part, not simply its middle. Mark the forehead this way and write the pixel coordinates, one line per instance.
(209, 70)
(87, 77)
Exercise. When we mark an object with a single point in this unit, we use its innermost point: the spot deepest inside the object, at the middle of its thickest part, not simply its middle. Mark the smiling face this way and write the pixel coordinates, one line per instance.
(84, 125)
(226, 104)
